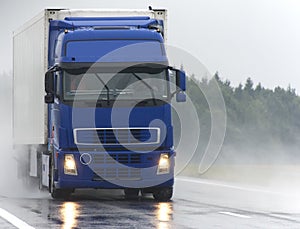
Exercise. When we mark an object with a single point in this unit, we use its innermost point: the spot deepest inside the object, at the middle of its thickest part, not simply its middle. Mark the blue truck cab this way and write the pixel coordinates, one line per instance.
(108, 93)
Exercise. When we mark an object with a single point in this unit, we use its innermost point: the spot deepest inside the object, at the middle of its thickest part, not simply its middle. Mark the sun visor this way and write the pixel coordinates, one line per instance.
(114, 51)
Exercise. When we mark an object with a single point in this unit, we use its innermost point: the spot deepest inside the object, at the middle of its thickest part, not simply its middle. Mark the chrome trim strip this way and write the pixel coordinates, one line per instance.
(121, 128)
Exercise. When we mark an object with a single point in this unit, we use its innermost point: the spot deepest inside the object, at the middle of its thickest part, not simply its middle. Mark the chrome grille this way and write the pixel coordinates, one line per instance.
(116, 136)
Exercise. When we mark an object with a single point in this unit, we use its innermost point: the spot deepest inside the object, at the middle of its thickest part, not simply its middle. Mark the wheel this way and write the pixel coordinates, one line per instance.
(163, 194)
(61, 194)
(131, 193)
(57, 193)
(145, 193)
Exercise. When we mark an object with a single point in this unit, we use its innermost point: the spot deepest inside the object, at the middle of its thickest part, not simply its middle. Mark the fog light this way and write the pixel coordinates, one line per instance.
(70, 165)
(163, 164)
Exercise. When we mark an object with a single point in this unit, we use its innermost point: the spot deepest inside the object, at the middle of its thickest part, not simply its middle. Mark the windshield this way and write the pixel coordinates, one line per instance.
(141, 84)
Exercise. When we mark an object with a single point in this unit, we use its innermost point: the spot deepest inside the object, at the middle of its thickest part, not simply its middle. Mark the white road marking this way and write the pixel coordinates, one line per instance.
(222, 184)
(14, 220)
(235, 214)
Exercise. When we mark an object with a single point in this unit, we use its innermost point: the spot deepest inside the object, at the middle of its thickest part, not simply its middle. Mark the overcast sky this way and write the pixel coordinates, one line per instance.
(239, 39)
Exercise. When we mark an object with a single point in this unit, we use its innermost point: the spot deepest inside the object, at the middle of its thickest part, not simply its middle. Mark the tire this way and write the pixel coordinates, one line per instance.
(145, 193)
(61, 194)
(163, 194)
(131, 194)
(57, 193)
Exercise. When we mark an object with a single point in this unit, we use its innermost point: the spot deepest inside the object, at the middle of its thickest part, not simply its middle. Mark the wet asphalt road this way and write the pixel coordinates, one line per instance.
(197, 203)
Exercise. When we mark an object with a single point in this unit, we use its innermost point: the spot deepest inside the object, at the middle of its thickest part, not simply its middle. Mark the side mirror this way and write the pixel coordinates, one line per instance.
(49, 87)
(180, 97)
(180, 79)
(49, 98)
(49, 82)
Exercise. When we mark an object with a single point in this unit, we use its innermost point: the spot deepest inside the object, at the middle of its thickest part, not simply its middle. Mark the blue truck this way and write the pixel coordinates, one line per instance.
(91, 101)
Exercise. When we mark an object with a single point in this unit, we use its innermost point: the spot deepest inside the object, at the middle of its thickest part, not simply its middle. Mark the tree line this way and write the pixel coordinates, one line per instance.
(255, 114)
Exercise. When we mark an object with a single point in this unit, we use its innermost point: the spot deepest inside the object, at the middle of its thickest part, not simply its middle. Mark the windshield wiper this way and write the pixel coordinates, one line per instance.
(147, 85)
(98, 77)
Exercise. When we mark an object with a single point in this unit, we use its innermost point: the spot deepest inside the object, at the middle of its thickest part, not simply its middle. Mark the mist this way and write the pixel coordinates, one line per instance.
(12, 176)
(261, 145)
(7, 164)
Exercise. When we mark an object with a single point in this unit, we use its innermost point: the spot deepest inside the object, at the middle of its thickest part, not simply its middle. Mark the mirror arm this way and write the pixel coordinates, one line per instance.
(174, 93)
(54, 68)
(172, 68)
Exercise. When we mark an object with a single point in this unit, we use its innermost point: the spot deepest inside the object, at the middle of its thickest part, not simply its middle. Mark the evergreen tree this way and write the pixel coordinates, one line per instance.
(254, 114)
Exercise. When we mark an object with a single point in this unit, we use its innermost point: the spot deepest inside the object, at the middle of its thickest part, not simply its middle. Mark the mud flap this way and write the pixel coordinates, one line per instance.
(45, 169)
(33, 166)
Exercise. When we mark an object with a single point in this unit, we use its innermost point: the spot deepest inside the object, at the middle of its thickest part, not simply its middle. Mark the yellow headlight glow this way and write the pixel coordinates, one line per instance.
(70, 165)
(163, 164)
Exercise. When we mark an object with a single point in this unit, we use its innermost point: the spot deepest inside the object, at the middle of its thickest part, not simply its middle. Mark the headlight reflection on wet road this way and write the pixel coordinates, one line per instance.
(69, 213)
(164, 214)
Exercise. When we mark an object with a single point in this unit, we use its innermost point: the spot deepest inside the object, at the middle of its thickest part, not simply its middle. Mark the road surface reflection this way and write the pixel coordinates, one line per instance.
(164, 215)
(69, 213)
(83, 211)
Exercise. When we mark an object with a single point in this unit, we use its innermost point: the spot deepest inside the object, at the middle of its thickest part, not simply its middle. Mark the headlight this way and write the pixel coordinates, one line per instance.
(163, 164)
(70, 165)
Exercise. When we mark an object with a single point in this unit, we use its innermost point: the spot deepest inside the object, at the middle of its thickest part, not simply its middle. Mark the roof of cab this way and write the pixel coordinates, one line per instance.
(110, 34)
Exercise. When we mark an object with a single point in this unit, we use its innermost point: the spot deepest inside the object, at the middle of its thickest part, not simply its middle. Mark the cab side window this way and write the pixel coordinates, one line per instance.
(57, 79)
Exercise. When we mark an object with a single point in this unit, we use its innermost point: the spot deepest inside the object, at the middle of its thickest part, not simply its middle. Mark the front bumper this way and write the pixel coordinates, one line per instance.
(115, 170)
